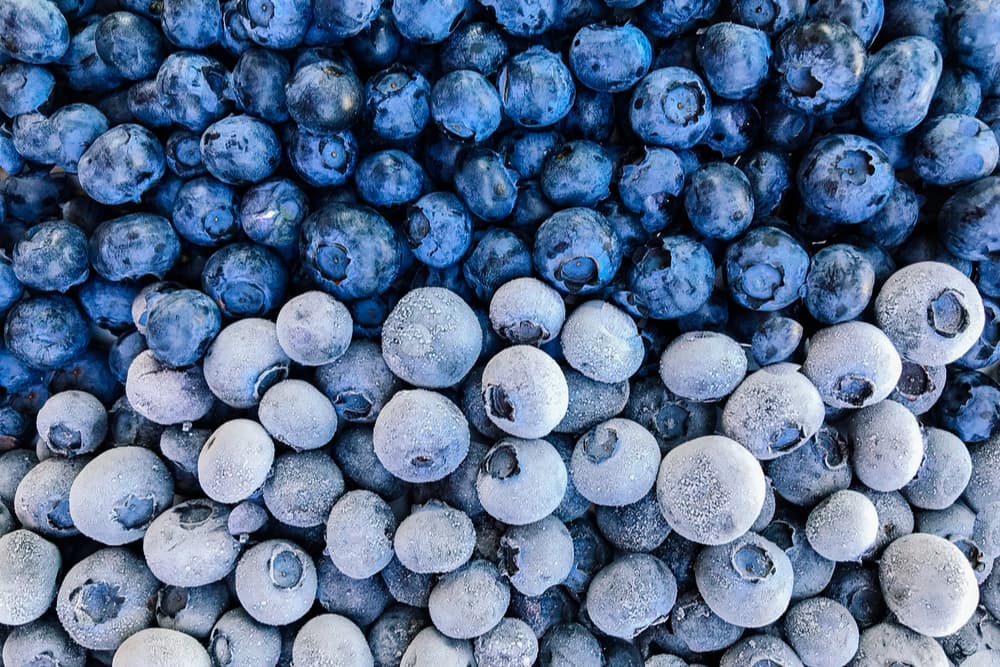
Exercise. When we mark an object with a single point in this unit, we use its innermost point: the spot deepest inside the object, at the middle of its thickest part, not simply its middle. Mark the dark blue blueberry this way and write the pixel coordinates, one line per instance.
(205, 212)
(845, 178)
(610, 58)
(194, 86)
(183, 154)
(146, 104)
(276, 24)
(986, 351)
(577, 251)
(719, 201)
(524, 18)
(377, 45)
(591, 117)
(899, 85)
(734, 59)
(123, 350)
(769, 173)
(398, 102)
(258, 80)
(966, 28)
(52, 257)
(820, 65)
(121, 165)
(969, 220)
(954, 150)
(987, 277)
(670, 107)
(498, 257)
(788, 129)
(344, 19)
(840, 284)
(578, 174)
(771, 16)
(766, 269)
(11, 160)
(240, 150)
(84, 68)
(969, 406)
(181, 325)
(88, 372)
(893, 224)
(652, 186)
(536, 88)
(864, 17)
(25, 88)
(476, 46)
(46, 331)
(734, 128)
(916, 17)
(129, 43)
(672, 277)
(245, 280)
(775, 340)
(666, 18)
(35, 31)
(526, 151)
(958, 91)
(390, 178)
(466, 106)
(486, 185)
(324, 96)
(323, 159)
(134, 246)
(349, 251)
(11, 288)
(192, 24)
(272, 212)
(438, 229)
(108, 304)
(427, 21)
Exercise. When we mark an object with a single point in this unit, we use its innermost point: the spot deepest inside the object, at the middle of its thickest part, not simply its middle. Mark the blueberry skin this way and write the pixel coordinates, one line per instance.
(205, 212)
(134, 246)
(667, 18)
(145, 105)
(108, 305)
(240, 150)
(672, 278)
(770, 176)
(11, 288)
(181, 326)
(194, 87)
(958, 91)
(670, 107)
(498, 257)
(311, 89)
(954, 150)
(694, 623)
(527, 18)
(718, 201)
(631, 594)
(397, 101)
(847, 372)
(46, 331)
(893, 225)
(183, 154)
(192, 24)
(967, 224)
(131, 44)
(323, 159)
(685, 363)
(426, 22)
(486, 185)
(967, 407)
(964, 34)
(476, 46)
(64, 136)
(37, 31)
(239, 638)
(358, 383)
(771, 16)
(390, 178)
(820, 65)
(438, 229)
(276, 582)
(899, 86)
(52, 257)
(864, 17)
(84, 68)
(578, 174)
(41, 502)
(845, 178)
(276, 24)
(41, 640)
(734, 59)
(349, 251)
(313, 328)
(840, 284)
(377, 44)
(466, 106)
(788, 129)
(359, 534)
(258, 81)
(121, 165)
(576, 251)
(24, 88)
(245, 279)
(272, 212)
(610, 59)
(652, 186)
(536, 87)
(775, 340)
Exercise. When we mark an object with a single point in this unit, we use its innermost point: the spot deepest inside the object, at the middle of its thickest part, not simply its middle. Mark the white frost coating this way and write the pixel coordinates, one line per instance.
(853, 365)
(244, 360)
(314, 329)
(615, 463)
(703, 365)
(235, 461)
(602, 342)
(843, 526)
(420, 436)
(527, 311)
(158, 647)
(298, 414)
(330, 640)
(525, 392)
(931, 312)
(887, 445)
(432, 649)
(29, 566)
(166, 395)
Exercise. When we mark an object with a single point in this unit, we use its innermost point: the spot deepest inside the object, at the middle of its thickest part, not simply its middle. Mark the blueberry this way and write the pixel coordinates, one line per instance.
(420, 436)
(820, 65)
(764, 647)
(312, 86)
(578, 174)
(238, 639)
(425, 22)
(41, 502)
(134, 246)
(845, 178)
(577, 251)
(194, 87)
(847, 373)
(38, 31)
(24, 88)
(890, 642)
(666, 18)
(46, 331)
(330, 637)
(610, 59)
(670, 107)
(121, 164)
(361, 600)
(322, 159)
(390, 178)
(839, 285)
(276, 582)
(524, 391)
(697, 489)
(521, 481)
(470, 601)
(228, 479)
(42, 640)
(520, 81)
(152, 646)
(958, 91)
(358, 383)
(430, 647)
(694, 623)
(899, 86)
(31, 565)
(191, 24)
(527, 18)
(966, 220)
(511, 642)
(734, 59)
(815, 469)
(672, 277)
(240, 150)
(771, 16)
(887, 445)
(189, 545)
(280, 24)
(635, 527)
(652, 186)
(465, 105)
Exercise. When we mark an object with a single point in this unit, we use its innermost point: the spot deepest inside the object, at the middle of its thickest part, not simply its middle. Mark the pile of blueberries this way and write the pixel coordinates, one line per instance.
(499, 333)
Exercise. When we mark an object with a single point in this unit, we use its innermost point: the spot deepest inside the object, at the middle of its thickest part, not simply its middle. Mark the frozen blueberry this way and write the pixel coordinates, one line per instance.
(928, 584)
(944, 472)
(526, 311)
(602, 342)
(276, 582)
(753, 650)
(117, 495)
(510, 644)
(166, 395)
(30, 565)
(615, 463)
(887, 445)
(434, 538)
(302, 487)
(524, 391)
(710, 489)
(105, 598)
(298, 414)
(521, 481)
(703, 365)
(536, 556)
(189, 545)
(41, 502)
(421, 436)
(634, 592)
(235, 461)
(192, 611)
(359, 532)
(244, 361)
(160, 647)
(237, 639)
(331, 639)
(470, 601)
(429, 647)
(889, 642)
(852, 364)
(72, 423)
(313, 328)
(843, 526)
(358, 383)
(42, 640)
(636, 527)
